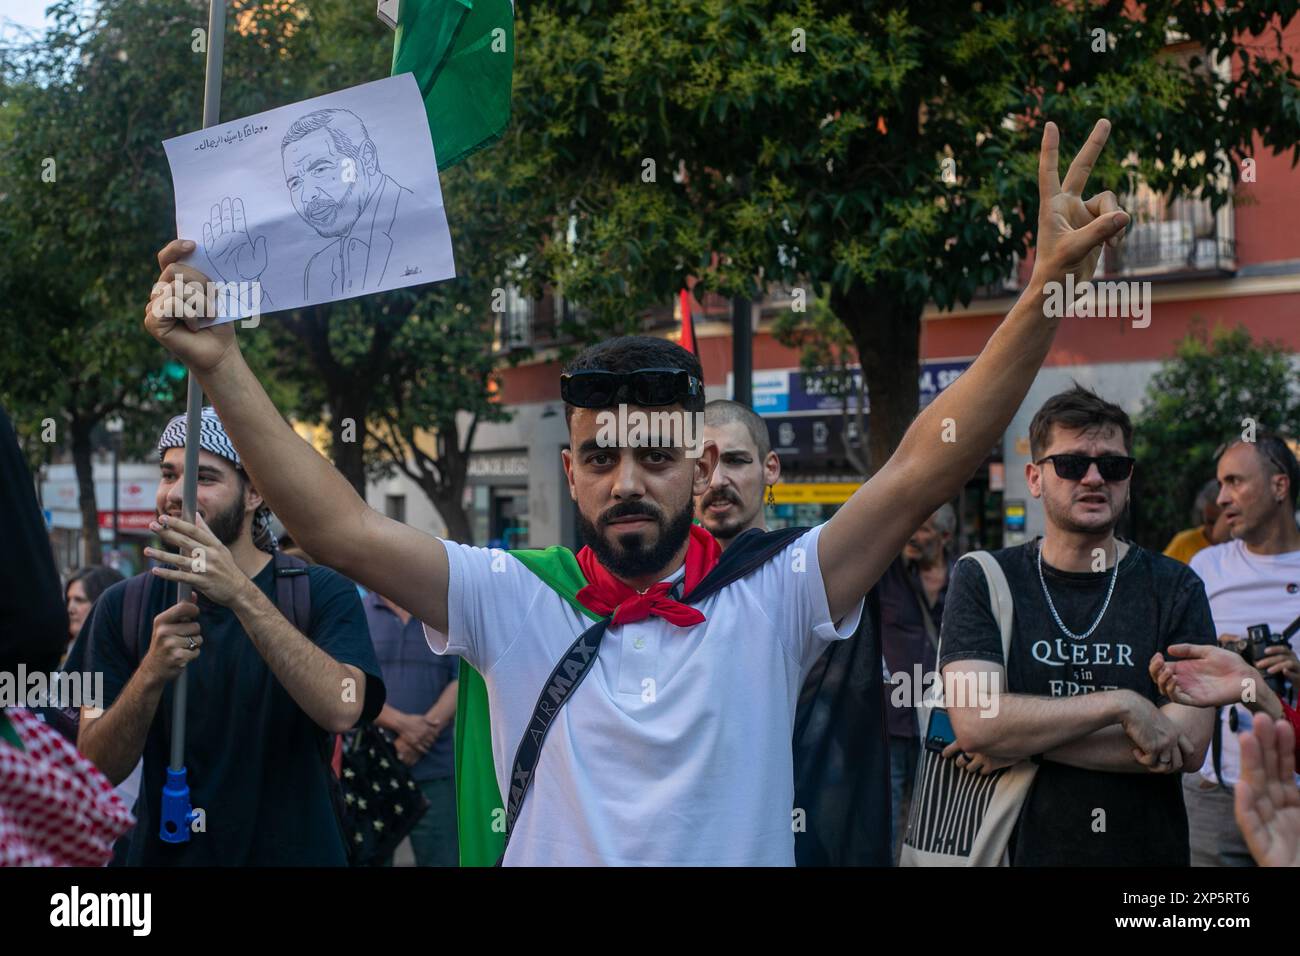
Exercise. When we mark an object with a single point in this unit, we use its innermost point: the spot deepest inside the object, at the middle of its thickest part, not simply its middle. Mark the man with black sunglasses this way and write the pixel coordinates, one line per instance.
(676, 747)
(1076, 695)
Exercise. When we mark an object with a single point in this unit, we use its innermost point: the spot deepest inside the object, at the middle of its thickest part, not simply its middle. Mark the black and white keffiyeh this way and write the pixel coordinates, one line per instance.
(213, 439)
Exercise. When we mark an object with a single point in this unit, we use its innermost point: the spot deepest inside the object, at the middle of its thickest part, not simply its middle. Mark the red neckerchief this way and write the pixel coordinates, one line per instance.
(607, 596)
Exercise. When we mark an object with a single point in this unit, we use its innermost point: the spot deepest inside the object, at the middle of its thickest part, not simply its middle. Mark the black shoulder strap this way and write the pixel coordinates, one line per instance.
(1216, 745)
(559, 687)
(293, 590)
(747, 553)
(137, 626)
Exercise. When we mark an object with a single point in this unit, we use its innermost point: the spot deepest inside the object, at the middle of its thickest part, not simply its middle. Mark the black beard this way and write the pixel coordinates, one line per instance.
(228, 524)
(633, 560)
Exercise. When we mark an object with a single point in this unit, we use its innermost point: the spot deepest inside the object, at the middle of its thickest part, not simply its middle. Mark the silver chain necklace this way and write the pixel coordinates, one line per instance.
(1114, 575)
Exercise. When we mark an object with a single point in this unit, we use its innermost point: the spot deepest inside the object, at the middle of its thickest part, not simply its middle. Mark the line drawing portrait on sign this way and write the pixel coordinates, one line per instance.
(332, 172)
(331, 166)
(318, 201)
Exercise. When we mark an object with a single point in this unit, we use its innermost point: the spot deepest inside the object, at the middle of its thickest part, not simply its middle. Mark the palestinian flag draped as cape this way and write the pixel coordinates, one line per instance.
(841, 750)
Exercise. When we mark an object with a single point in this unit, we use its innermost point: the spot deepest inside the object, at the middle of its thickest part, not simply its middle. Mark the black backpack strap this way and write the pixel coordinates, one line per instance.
(293, 590)
(293, 600)
(137, 626)
(748, 552)
(1216, 746)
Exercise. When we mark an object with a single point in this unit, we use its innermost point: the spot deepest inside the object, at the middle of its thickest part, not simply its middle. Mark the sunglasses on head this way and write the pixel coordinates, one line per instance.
(1074, 467)
(596, 388)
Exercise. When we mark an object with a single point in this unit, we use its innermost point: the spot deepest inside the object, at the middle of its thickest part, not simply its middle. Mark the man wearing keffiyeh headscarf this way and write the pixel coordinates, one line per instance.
(226, 524)
(274, 669)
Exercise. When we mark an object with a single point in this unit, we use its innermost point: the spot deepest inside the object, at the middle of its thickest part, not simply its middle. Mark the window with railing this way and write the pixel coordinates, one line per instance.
(569, 314)
(528, 324)
(1172, 237)
(1183, 235)
(514, 324)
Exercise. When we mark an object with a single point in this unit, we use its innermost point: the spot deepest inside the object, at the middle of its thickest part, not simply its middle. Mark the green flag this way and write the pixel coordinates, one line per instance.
(462, 53)
(480, 819)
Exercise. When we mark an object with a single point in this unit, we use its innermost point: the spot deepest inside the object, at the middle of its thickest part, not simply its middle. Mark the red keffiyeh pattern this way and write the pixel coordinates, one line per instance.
(606, 595)
(56, 808)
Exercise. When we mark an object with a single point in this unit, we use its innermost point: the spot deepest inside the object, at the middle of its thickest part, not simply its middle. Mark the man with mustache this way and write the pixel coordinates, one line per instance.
(747, 470)
(840, 719)
(1091, 612)
(265, 693)
(331, 167)
(675, 748)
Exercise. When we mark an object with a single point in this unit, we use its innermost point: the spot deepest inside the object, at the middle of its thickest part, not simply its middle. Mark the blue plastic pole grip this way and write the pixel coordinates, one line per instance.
(177, 814)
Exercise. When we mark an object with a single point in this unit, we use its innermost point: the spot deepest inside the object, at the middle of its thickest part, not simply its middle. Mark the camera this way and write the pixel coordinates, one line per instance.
(1255, 648)
(1258, 638)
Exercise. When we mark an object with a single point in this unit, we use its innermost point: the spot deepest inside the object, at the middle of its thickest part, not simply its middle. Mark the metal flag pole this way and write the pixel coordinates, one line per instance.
(177, 814)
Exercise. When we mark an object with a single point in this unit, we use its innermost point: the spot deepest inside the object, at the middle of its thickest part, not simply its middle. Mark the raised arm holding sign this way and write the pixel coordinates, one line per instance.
(631, 497)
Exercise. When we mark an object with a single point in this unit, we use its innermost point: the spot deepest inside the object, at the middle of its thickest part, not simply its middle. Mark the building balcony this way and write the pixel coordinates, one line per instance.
(1173, 240)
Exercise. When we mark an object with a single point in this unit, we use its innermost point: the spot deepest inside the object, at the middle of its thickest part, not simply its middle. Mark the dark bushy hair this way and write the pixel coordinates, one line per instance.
(723, 411)
(1077, 408)
(627, 353)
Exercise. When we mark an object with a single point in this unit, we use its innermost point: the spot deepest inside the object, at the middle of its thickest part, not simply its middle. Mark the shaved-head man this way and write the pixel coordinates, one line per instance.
(747, 469)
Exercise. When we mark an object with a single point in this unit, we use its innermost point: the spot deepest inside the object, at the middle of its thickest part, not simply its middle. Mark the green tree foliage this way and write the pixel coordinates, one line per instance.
(885, 148)
(97, 95)
(1210, 392)
(84, 206)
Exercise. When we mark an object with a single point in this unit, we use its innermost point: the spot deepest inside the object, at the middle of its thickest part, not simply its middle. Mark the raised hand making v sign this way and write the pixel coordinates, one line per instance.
(819, 591)
(928, 470)
(319, 507)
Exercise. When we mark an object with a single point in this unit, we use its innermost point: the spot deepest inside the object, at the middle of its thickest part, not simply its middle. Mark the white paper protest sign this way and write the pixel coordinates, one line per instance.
(334, 197)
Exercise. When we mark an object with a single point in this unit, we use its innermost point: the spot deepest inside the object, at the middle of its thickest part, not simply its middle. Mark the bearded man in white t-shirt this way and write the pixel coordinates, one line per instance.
(1252, 579)
(676, 747)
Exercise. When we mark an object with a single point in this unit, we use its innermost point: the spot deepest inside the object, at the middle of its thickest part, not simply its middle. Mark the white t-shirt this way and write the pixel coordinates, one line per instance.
(1246, 589)
(675, 749)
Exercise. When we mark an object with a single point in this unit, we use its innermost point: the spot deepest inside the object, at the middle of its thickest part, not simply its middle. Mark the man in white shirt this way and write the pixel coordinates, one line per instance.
(676, 749)
(1252, 579)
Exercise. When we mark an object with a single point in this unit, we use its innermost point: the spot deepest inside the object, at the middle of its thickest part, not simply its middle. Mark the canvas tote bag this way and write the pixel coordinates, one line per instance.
(959, 818)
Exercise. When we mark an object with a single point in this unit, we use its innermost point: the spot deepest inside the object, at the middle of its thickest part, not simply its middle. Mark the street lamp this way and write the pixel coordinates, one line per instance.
(114, 426)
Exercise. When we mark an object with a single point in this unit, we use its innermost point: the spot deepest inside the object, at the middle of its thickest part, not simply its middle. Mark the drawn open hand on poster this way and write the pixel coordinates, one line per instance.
(327, 199)
(234, 254)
